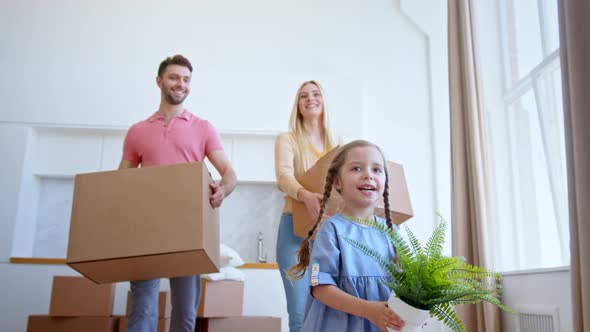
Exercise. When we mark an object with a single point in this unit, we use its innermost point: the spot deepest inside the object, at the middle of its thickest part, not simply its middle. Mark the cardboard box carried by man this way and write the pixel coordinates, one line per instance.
(144, 223)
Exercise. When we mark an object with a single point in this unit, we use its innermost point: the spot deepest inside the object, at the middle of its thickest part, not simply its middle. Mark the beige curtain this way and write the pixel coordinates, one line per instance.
(471, 227)
(574, 26)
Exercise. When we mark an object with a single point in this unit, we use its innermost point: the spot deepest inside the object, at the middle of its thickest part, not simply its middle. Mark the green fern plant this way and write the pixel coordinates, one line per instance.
(426, 279)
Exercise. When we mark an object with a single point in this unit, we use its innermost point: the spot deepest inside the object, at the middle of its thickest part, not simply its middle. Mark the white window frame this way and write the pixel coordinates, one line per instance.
(527, 232)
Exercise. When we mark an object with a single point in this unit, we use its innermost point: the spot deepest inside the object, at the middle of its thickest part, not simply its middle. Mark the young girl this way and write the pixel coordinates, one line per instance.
(348, 293)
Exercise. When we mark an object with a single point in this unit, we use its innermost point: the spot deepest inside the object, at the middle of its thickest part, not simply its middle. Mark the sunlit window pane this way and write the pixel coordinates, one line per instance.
(524, 119)
(550, 26)
(534, 162)
(523, 38)
(535, 190)
(551, 129)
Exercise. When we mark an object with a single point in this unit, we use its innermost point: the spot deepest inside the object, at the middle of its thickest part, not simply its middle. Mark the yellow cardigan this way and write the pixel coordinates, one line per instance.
(288, 165)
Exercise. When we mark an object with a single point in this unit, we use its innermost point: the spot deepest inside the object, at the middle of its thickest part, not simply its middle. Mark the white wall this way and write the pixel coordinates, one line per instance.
(91, 65)
(13, 144)
(95, 63)
(536, 292)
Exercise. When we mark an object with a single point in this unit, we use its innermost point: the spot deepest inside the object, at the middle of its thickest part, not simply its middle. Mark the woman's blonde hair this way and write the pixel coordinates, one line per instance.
(304, 252)
(297, 130)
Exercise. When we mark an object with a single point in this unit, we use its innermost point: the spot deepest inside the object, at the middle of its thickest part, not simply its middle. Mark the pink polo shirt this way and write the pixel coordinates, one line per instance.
(186, 138)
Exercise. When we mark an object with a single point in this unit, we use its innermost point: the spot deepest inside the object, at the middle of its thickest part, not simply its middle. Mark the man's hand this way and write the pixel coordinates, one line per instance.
(217, 195)
(228, 178)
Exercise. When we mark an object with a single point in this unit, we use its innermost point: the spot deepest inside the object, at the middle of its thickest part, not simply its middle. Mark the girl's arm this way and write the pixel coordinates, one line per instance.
(376, 312)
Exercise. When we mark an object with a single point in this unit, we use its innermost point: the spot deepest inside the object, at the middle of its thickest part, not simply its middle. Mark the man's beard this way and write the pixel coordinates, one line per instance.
(174, 101)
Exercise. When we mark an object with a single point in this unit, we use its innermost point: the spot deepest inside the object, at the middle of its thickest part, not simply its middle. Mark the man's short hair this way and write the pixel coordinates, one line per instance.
(174, 60)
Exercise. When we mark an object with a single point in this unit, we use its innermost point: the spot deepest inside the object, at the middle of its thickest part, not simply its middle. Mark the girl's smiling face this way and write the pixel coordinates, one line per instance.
(361, 179)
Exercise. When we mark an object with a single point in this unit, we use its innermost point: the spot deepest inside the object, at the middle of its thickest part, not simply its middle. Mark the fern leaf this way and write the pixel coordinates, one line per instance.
(447, 315)
(403, 252)
(389, 267)
(434, 246)
(416, 248)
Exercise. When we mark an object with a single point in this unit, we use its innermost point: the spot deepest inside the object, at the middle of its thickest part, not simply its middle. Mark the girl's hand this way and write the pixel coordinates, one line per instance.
(381, 316)
(312, 202)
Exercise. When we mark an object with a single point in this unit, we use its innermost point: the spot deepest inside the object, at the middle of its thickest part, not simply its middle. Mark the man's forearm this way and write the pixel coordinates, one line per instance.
(228, 182)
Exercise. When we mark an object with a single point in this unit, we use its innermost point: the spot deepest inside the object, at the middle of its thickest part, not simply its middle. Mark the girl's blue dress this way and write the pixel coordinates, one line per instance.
(336, 262)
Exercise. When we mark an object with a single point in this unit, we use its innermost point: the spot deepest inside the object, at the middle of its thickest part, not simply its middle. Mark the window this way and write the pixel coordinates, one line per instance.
(521, 84)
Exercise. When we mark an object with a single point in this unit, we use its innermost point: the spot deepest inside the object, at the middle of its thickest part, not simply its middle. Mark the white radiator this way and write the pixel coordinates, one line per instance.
(536, 318)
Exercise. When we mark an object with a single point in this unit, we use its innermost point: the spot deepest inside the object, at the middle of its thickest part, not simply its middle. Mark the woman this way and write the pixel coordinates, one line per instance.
(307, 140)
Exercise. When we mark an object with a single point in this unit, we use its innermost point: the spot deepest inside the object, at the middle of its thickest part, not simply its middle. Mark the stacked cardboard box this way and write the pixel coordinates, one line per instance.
(221, 307)
(164, 312)
(242, 324)
(77, 304)
(223, 298)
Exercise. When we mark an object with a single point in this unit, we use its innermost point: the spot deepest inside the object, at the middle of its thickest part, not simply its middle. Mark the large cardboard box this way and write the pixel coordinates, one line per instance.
(164, 305)
(400, 205)
(144, 223)
(314, 180)
(242, 324)
(163, 324)
(45, 323)
(78, 296)
(223, 298)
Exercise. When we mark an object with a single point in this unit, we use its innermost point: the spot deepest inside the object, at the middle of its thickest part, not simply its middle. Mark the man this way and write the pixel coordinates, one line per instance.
(173, 135)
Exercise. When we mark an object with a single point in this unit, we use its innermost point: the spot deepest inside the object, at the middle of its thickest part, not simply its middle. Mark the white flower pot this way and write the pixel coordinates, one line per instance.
(413, 317)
